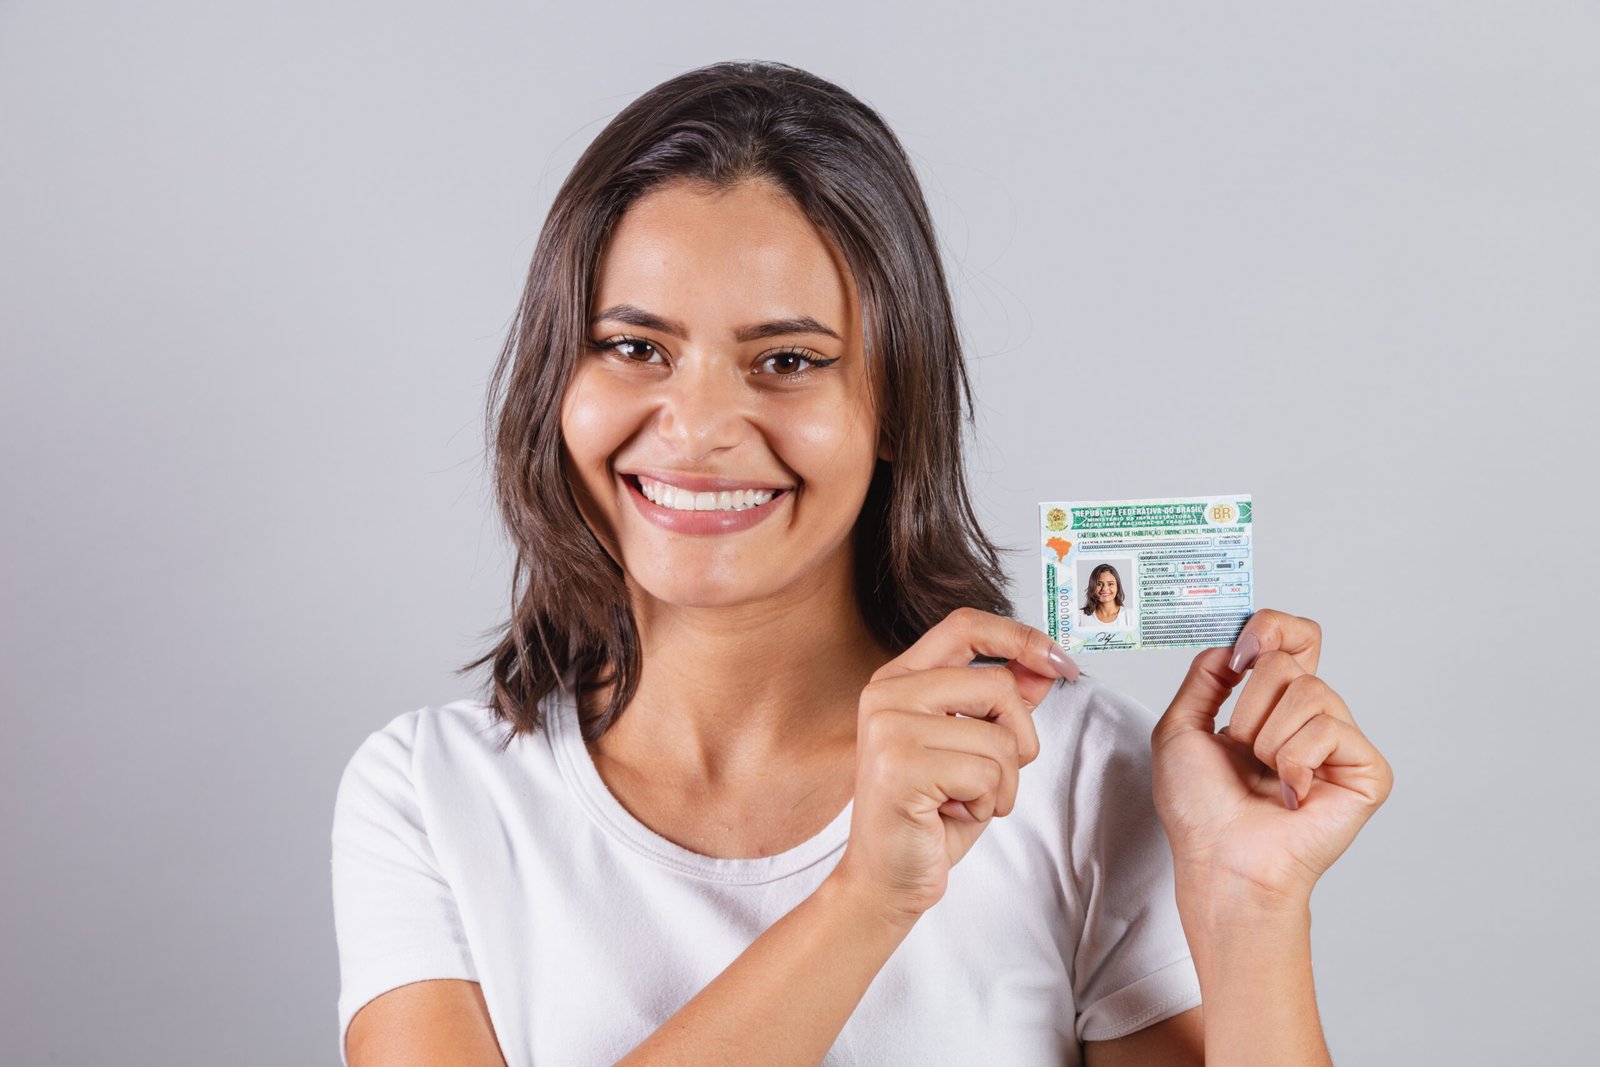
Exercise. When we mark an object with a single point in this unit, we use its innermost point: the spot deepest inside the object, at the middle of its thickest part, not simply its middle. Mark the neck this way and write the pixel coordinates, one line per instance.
(726, 693)
(1107, 610)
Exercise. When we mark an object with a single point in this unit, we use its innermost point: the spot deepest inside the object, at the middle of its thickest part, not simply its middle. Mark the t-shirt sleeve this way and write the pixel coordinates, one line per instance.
(395, 917)
(1132, 967)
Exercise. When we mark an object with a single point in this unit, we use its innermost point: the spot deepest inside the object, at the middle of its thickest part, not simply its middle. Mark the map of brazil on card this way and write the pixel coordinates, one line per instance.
(1121, 575)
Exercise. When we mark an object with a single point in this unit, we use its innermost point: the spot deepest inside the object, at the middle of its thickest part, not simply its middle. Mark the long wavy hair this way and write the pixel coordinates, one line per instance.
(1089, 603)
(919, 551)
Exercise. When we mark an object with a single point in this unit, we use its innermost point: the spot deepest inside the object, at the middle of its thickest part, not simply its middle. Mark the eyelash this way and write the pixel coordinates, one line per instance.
(814, 361)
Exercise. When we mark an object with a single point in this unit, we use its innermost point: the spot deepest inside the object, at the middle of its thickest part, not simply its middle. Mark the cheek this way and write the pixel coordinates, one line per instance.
(830, 438)
(594, 423)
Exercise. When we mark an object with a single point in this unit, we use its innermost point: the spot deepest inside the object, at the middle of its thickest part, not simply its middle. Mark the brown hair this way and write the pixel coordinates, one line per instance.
(1089, 604)
(919, 551)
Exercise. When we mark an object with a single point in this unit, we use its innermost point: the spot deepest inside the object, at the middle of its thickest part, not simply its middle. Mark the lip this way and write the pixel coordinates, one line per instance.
(699, 483)
(700, 522)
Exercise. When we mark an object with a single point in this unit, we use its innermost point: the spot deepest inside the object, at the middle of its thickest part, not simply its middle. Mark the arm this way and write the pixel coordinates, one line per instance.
(1255, 813)
(784, 1000)
(1170, 1042)
(407, 982)
(435, 1023)
(1254, 962)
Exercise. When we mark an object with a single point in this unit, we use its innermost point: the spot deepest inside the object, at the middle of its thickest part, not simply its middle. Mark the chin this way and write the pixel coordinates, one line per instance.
(684, 588)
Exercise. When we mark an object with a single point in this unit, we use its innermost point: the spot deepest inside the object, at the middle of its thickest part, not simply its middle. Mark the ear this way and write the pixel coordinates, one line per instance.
(885, 449)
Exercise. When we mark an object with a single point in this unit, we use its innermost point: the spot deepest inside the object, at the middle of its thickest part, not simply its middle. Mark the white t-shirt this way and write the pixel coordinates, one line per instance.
(587, 930)
(1089, 621)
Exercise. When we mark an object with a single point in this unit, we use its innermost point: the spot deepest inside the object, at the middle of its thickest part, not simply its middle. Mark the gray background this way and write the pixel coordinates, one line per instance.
(255, 263)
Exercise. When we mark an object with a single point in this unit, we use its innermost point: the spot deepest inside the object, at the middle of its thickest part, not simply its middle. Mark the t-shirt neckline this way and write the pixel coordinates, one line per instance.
(577, 767)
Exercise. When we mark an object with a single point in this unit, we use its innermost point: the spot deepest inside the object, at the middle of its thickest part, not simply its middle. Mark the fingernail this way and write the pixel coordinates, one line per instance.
(1289, 799)
(1063, 664)
(1245, 652)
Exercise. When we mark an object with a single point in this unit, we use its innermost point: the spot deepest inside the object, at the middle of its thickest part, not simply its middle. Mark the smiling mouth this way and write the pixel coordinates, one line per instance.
(673, 498)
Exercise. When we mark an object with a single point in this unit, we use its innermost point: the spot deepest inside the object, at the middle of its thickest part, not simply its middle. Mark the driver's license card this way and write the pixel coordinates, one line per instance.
(1173, 572)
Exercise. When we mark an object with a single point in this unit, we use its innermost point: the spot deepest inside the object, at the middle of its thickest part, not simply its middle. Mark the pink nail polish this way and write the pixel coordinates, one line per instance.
(1290, 801)
(1244, 653)
(1063, 664)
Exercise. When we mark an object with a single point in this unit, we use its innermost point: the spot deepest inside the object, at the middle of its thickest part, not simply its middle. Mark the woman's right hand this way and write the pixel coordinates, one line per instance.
(938, 747)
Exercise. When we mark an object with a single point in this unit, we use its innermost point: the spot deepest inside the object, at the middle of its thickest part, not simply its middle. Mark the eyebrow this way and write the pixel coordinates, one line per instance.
(645, 320)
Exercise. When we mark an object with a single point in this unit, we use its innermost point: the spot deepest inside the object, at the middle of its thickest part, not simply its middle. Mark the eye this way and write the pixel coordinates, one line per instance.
(792, 363)
(630, 349)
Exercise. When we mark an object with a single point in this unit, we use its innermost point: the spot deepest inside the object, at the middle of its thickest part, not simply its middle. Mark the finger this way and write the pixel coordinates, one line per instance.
(1303, 698)
(913, 734)
(1031, 685)
(1200, 696)
(1003, 755)
(977, 782)
(1269, 630)
(987, 693)
(1263, 688)
(967, 632)
(958, 811)
(1338, 753)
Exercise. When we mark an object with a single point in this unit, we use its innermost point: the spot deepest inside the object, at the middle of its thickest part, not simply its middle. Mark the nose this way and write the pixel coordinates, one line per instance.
(703, 411)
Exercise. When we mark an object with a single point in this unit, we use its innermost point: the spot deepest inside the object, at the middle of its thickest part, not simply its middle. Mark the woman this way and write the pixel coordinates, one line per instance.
(1103, 602)
(736, 745)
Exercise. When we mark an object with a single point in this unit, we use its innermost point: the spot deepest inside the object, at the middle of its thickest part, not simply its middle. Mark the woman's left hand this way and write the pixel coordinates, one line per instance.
(1265, 805)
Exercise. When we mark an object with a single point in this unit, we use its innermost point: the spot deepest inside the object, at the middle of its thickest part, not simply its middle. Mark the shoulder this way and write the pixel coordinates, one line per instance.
(460, 722)
(1090, 714)
(390, 759)
(1094, 752)
(1097, 768)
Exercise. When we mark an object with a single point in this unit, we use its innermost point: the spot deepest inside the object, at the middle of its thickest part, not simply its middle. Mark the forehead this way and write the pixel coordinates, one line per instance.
(717, 259)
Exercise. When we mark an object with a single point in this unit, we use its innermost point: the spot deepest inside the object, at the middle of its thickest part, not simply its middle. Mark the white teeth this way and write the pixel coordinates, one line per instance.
(670, 496)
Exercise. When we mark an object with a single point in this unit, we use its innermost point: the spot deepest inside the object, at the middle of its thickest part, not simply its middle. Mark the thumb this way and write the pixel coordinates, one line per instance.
(1204, 690)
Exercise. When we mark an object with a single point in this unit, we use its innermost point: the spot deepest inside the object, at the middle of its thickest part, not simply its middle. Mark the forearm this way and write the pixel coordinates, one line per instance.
(1254, 961)
(787, 996)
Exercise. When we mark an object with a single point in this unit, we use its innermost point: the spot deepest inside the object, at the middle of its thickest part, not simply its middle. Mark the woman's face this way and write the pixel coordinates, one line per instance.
(1105, 588)
(721, 441)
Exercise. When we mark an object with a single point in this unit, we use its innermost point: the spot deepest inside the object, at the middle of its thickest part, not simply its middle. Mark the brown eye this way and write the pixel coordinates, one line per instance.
(793, 364)
(631, 350)
(638, 351)
(787, 362)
